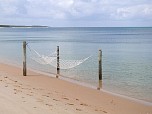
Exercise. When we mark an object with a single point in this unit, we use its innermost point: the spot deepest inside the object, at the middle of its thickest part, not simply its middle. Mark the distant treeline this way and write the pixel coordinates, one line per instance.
(21, 26)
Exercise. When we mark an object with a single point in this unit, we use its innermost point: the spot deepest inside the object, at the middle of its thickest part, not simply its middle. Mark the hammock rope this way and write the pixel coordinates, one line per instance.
(52, 60)
(68, 64)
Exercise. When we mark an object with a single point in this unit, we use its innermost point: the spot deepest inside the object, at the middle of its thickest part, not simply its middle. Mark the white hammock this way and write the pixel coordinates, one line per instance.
(52, 60)
(42, 59)
(68, 64)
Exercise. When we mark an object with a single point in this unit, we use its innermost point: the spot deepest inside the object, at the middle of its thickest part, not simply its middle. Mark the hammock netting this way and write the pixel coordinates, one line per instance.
(52, 60)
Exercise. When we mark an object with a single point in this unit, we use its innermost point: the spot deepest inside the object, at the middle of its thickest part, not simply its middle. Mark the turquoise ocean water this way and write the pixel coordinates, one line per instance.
(127, 55)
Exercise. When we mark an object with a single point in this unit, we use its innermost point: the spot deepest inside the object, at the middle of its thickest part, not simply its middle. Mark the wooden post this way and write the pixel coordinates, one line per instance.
(58, 63)
(100, 70)
(24, 58)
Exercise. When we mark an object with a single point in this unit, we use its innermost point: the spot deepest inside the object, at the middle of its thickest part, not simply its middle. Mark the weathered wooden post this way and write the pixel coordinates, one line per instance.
(24, 58)
(100, 70)
(58, 63)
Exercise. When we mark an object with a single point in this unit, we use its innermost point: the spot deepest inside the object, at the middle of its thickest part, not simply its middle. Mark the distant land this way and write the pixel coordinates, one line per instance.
(22, 26)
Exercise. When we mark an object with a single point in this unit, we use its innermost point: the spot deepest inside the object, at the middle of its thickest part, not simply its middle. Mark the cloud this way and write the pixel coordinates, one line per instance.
(60, 8)
(49, 8)
(139, 11)
(76, 10)
(11, 8)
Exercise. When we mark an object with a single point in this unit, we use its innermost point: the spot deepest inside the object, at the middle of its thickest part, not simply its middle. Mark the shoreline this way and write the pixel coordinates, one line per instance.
(45, 94)
(92, 87)
(80, 83)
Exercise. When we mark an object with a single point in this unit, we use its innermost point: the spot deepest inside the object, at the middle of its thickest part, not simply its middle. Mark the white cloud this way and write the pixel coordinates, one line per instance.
(148, 10)
(12, 7)
(61, 8)
(7, 7)
(48, 8)
(139, 11)
(69, 10)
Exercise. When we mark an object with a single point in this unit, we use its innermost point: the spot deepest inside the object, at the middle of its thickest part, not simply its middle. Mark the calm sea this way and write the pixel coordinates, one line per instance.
(127, 55)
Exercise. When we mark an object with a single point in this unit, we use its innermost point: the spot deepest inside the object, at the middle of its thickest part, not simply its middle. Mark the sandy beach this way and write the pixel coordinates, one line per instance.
(40, 94)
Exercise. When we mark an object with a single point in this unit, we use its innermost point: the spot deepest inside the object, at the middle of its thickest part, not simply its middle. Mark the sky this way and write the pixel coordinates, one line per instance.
(77, 13)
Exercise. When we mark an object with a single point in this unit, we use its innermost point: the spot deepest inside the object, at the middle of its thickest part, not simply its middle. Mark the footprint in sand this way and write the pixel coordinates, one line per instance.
(104, 111)
(39, 100)
(83, 104)
(65, 98)
(15, 93)
(5, 77)
(55, 100)
(16, 90)
(26, 88)
(48, 105)
(29, 94)
(45, 95)
(70, 104)
(77, 99)
(78, 109)
(101, 110)
(6, 86)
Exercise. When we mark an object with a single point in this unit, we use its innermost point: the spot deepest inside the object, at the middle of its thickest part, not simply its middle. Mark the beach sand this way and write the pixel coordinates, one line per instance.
(40, 94)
